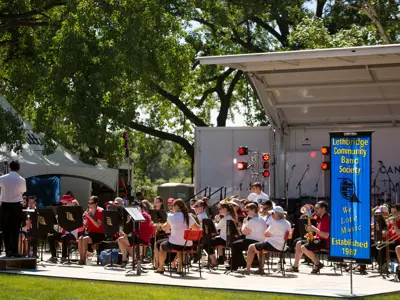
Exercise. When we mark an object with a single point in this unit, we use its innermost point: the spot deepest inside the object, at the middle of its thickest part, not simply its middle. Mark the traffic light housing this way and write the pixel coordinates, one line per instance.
(242, 165)
(325, 150)
(265, 158)
(243, 150)
(325, 166)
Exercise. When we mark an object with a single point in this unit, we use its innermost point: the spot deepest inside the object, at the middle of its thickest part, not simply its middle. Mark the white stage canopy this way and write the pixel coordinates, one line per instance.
(60, 163)
(337, 87)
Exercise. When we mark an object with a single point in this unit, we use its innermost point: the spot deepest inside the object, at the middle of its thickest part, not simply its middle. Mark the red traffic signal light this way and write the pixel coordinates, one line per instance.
(325, 150)
(243, 150)
(266, 165)
(266, 156)
(125, 135)
(325, 166)
(266, 173)
(242, 165)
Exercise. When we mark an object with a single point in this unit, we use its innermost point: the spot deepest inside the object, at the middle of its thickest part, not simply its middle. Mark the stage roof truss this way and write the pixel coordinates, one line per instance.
(335, 87)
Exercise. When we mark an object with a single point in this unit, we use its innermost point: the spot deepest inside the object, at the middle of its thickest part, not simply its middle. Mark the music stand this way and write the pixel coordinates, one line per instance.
(70, 218)
(45, 222)
(136, 218)
(158, 216)
(111, 222)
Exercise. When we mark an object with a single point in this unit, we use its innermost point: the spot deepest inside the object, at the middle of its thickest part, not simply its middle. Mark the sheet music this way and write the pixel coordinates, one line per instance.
(135, 214)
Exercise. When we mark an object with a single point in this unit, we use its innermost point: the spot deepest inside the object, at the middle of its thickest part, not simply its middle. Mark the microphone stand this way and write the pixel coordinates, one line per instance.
(316, 186)
(287, 188)
(392, 187)
(301, 179)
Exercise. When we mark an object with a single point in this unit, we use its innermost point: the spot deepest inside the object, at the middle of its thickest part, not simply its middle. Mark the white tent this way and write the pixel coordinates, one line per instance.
(60, 163)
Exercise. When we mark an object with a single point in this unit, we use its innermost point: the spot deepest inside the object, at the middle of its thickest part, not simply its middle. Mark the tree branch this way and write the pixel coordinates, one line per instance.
(373, 15)
(234, 81)
(165, 136)
(182, 106)
(32, 12)
(370, 10)
(320, 8)
(236, 38)
(205, 95)
(226, 100)
(18, 24)
(269, 28)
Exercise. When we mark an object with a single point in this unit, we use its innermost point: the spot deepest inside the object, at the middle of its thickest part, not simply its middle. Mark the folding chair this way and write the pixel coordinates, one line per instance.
(232, 234)
(280, 253)
(189, 235)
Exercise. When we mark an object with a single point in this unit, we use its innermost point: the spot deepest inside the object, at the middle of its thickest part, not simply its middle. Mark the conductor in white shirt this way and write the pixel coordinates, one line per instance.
(12, 188)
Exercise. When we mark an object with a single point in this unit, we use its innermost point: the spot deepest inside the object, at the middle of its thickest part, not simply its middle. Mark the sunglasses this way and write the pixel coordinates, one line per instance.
(90, 203)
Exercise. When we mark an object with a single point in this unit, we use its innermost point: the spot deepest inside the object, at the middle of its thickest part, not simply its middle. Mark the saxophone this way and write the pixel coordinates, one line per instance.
(309, 235)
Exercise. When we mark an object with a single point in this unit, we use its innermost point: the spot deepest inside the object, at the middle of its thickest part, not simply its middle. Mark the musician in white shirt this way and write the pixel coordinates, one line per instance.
(257, 194)
(13, 186)
(226, 212)
(253, 230)
(177, 222)
(275, 237)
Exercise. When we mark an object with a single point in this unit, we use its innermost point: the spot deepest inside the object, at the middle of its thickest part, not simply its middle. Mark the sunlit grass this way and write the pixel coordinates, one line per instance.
(29, 287)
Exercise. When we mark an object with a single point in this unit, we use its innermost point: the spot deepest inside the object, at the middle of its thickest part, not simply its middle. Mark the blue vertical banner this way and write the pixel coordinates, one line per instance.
(350, 230)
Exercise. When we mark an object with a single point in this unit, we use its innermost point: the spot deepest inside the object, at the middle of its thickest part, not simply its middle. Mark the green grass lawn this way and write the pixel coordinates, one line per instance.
(28, 287)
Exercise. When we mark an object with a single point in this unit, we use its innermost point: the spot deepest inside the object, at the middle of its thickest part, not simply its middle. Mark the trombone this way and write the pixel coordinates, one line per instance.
(381, 245)
(391, 240)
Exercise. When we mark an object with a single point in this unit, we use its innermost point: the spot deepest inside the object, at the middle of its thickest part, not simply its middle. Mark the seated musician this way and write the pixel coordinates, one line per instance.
(226, 212)
(274, 237)
(265, 209)
(200, 208)
(146, 205)
(161, 235)
(170, 202)
(32, 202)
(320, 241)
(26, 233)
(94, 223)
(178, 222)
(62, 236)
(394, 231)
(237, 207)
(133, 238)
(253, 230)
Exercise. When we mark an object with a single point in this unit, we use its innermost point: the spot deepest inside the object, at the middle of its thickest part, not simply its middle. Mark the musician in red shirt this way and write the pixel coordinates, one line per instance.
(146, 230)
(394, 230)
(93, 221)
(320, 241)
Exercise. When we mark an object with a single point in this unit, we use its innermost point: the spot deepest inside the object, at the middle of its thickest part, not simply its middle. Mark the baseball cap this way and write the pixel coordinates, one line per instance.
(171, 200)
(235, 202)
(118, 200)
(277, 209)
(382, 209)
(66, 199)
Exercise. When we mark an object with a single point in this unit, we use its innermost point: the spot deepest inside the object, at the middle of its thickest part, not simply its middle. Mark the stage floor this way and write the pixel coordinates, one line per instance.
(326, 284)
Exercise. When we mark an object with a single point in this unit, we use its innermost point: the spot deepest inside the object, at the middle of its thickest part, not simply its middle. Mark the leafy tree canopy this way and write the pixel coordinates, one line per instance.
(82, 71)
